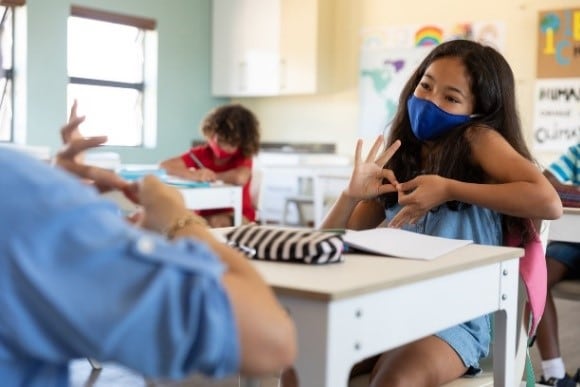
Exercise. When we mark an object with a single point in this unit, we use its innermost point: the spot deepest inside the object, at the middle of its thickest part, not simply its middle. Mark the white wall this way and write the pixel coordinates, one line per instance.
(333, 117)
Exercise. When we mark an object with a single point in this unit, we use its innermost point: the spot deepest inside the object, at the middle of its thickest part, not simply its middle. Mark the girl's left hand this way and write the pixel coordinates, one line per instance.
(417, 196)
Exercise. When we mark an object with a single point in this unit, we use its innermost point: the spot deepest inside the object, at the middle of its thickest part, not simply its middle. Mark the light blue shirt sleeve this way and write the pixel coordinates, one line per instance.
(76, 280)
(567, 168)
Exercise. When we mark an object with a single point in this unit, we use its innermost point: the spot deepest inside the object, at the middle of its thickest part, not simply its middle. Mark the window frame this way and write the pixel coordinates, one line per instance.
(148, 87)
(9, 74)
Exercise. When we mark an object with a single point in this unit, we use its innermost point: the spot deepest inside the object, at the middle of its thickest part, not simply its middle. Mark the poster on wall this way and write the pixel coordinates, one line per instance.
(557, 89)
(556, 114)
(558, 54)
(383, 74)
(389, 56)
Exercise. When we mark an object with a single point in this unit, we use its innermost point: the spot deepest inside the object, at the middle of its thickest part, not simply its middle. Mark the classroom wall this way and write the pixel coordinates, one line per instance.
(184, 70)
(333, 116)
(185, 63)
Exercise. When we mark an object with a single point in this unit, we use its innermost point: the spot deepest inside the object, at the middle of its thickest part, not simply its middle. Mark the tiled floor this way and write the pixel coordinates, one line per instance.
(569, 327)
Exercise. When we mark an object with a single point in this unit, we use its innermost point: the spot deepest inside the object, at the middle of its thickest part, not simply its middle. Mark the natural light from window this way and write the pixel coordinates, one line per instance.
(106, 71)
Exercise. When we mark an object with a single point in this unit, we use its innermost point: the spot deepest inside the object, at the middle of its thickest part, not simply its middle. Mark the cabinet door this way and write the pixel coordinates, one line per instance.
(246, 47)
(298, 46)
(226, 27)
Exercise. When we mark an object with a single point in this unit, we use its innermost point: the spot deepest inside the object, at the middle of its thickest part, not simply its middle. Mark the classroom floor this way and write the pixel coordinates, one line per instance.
(82, 375)
(569, 327)
(113, 376)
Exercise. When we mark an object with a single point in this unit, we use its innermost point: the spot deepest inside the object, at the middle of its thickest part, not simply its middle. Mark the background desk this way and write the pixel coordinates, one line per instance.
(215, 196)
(366, 305)
(320, 183)
(198, 198)
(567, 228)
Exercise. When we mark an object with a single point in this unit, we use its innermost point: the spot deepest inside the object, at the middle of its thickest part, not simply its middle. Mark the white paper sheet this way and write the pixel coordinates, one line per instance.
(400, 243)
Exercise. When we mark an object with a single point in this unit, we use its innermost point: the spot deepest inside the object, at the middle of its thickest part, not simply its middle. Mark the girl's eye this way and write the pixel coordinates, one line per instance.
(424, 85)
(452, 99)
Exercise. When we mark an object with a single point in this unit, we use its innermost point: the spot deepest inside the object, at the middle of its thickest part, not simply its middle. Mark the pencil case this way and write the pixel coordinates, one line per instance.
(271, 243)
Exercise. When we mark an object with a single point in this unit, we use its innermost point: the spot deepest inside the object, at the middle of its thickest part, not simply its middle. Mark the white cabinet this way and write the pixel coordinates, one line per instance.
(269, 47)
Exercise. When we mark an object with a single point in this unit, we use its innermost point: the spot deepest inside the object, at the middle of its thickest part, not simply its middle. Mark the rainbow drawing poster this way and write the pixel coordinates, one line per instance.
(429, 35)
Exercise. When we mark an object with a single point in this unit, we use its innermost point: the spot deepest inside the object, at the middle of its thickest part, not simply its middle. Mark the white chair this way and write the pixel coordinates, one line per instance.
(300, 202)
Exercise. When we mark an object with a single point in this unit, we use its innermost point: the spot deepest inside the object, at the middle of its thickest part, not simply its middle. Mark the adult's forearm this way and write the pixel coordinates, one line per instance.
(266, 331)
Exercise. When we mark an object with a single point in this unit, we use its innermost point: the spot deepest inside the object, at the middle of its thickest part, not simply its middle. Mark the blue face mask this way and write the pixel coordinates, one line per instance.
(428, 121)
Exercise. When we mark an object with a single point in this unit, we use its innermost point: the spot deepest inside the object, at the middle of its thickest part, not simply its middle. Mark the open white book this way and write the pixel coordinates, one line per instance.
(400, 243)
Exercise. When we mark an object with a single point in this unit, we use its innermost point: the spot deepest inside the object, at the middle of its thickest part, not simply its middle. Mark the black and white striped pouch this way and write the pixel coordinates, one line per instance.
(286, 244)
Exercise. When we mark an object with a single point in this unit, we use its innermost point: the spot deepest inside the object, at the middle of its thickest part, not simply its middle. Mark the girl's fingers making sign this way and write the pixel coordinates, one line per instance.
(368, 175)
(417, 196)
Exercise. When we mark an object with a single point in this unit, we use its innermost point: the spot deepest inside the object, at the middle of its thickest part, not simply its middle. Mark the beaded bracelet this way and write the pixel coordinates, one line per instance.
(183, 222)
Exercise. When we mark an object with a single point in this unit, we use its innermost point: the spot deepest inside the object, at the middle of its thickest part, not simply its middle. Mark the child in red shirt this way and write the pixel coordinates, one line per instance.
(233, 138)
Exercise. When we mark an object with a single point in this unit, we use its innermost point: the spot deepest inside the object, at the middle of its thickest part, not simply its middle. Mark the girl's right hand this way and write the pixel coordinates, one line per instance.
(367, 177)
(203, 174)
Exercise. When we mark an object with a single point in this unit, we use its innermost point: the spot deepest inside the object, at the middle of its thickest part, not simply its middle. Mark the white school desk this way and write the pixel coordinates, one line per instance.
(215, 196)
(349, 311)
(567, 228)
(197, 198)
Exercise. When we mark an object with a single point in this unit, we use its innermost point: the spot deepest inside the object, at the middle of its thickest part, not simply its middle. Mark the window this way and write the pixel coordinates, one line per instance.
(111, 67)
(7, 78)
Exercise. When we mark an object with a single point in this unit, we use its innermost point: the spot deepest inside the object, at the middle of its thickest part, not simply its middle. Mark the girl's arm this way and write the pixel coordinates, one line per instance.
(351, 213)
(176, 167)
(237, 176)
(517, 186)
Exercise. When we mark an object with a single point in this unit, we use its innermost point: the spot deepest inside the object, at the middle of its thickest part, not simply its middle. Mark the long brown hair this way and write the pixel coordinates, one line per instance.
(492, 85)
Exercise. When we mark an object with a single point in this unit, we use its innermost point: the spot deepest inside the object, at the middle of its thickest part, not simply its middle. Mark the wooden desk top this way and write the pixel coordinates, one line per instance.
(360, 273)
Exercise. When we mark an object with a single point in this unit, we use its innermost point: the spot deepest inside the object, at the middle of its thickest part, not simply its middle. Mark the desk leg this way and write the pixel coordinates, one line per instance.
(237, 204)
(320, 363)
(506, 324)
(318, 200)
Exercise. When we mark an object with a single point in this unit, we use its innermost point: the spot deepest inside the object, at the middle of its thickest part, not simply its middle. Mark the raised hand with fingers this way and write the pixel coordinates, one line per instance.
(74, 144)
(367, 179)
(70, 132)
(417, 196)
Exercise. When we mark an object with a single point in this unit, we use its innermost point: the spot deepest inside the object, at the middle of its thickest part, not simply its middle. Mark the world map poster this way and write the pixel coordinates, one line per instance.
(383, 74)
(388, 57)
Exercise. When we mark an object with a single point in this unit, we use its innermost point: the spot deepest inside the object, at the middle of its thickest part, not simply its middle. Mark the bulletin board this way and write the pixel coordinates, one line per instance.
(557, 87)
(558, 54)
